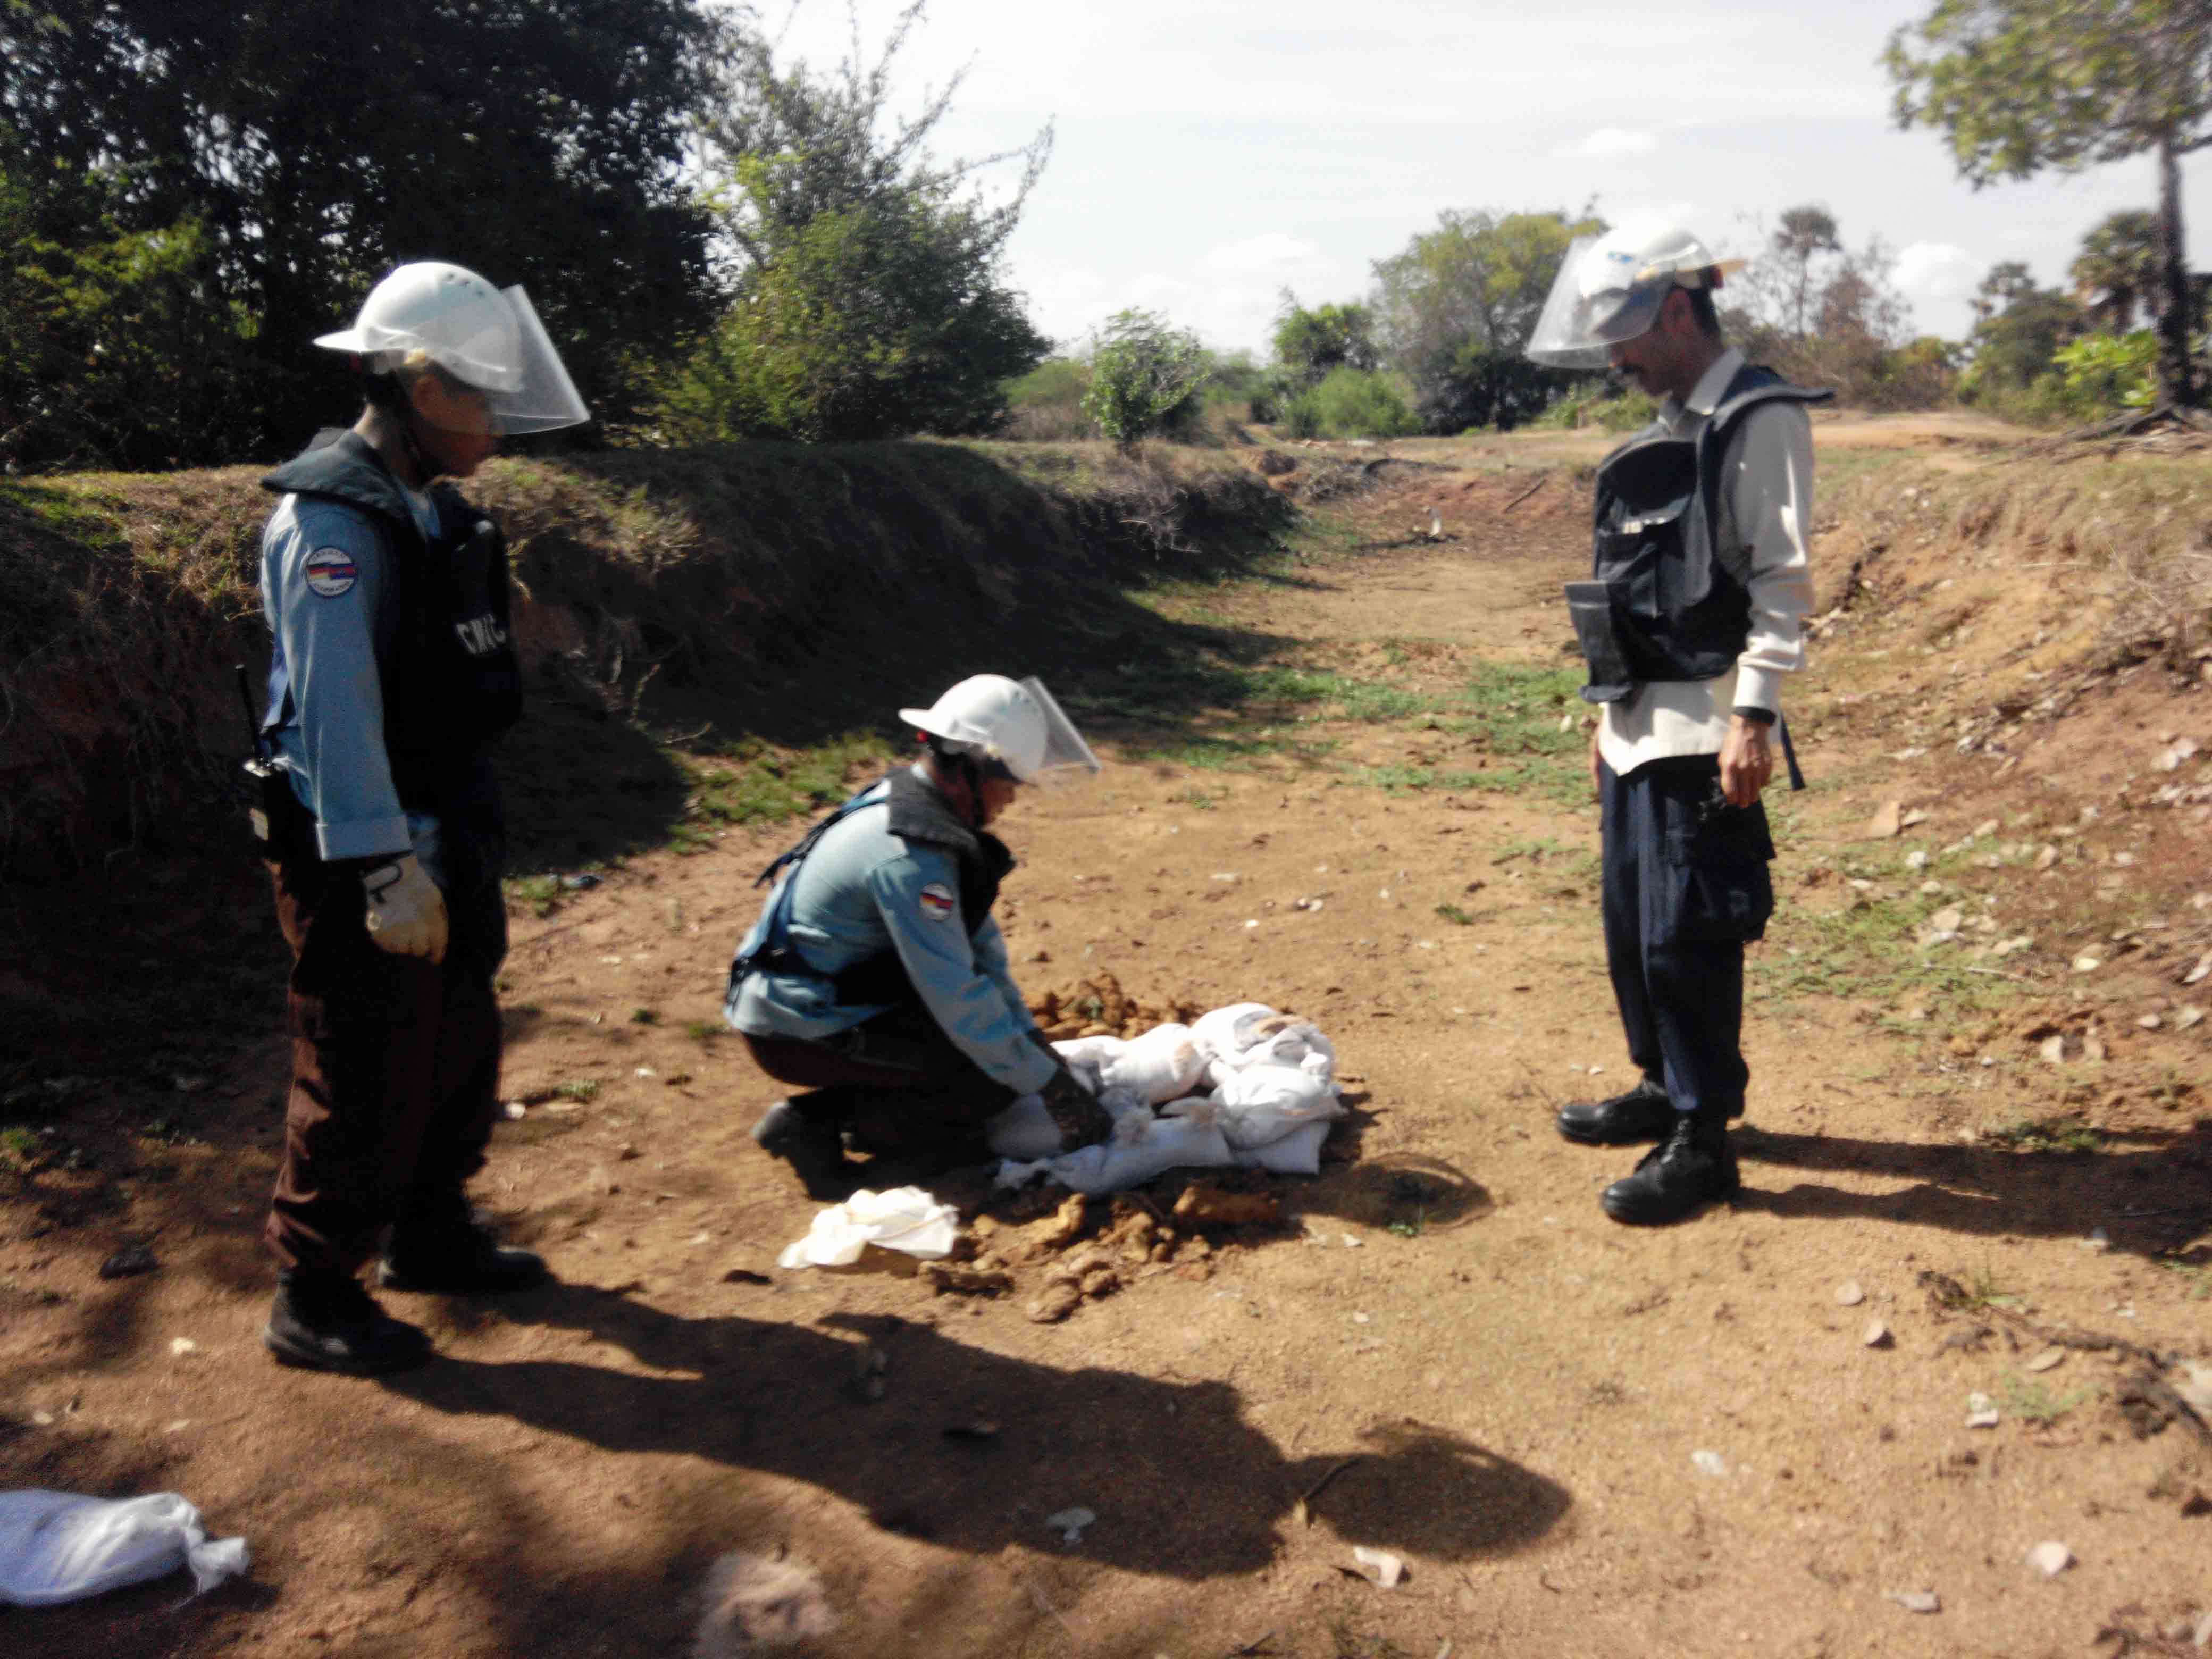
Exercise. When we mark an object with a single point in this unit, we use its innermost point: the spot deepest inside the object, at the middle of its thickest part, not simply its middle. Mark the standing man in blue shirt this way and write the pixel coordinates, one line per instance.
(391, 674)
(1692, 619)
(876, 977)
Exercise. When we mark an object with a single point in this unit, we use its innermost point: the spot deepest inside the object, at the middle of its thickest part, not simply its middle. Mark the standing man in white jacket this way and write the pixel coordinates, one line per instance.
(1692, 619)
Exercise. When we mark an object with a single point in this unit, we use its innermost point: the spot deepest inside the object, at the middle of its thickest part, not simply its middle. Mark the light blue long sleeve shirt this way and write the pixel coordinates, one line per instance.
(863, 891)
(331, 606)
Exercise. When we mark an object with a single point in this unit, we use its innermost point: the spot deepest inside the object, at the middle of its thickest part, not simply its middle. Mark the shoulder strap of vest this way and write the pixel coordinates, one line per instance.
(806, 843)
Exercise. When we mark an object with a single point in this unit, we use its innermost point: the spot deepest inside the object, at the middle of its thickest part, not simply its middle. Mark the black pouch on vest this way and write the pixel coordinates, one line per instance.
(1590, 606)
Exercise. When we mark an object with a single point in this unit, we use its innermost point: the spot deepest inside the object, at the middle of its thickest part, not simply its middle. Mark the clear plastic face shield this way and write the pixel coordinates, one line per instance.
(539, 397)
(1064, 751)
(1604, 295)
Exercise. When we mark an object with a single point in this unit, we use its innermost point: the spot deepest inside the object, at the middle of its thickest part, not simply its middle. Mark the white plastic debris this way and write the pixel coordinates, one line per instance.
(2049, 1558)
(56, 1547)
(1981, 1411)
(1070, 1522)
(1386, 1569)
(1709, 1462)
(904, 1218)
(1916, 1601)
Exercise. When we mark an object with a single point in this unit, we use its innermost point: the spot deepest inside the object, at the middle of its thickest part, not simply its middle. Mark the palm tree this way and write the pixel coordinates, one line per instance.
(2120, 269)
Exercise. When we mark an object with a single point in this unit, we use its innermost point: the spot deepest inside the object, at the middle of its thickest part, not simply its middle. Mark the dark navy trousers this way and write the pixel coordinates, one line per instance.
(1686, 886)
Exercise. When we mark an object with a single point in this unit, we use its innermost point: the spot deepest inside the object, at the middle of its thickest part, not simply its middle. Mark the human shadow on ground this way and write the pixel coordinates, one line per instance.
(1183, 1484)
(2150, 1189)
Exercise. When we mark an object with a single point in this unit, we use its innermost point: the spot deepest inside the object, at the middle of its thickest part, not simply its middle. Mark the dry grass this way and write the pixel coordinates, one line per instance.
(765, 590)
(2129, 534)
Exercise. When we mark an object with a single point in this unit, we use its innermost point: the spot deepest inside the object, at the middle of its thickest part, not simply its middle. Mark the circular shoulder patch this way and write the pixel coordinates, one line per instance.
(331, 571)
(937, 900)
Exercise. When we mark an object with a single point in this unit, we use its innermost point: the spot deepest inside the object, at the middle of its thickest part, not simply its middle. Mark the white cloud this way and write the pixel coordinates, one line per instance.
(1615, 141)
(1938, 271)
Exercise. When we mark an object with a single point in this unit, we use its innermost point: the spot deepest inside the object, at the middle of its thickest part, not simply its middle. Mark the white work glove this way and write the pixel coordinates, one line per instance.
(406, 911)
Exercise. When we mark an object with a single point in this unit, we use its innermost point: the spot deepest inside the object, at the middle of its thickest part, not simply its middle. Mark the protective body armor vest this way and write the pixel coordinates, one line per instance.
(452, 680)
(1669, 597)
(918, 813)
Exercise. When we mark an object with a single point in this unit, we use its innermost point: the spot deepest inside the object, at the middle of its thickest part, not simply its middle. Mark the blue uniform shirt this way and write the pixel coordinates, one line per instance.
(863, 891)
(331, 606)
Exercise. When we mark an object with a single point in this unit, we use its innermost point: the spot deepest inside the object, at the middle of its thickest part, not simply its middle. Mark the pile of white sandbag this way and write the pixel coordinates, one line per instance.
(1244, 1086)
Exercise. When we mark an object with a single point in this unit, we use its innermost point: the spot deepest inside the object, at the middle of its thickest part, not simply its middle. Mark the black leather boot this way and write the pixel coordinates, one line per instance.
(327, 1322)
(456, 1256)
(1692, 1168)
(815, 1148)
(1625, 1119)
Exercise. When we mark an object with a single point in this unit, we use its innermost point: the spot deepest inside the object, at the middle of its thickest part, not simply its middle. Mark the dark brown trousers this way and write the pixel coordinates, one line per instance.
(395, 1069)
(897, 1082)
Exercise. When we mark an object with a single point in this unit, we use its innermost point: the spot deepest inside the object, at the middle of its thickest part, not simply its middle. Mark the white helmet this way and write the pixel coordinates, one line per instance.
(484, 337)
(1013, 722)
(1610, 287)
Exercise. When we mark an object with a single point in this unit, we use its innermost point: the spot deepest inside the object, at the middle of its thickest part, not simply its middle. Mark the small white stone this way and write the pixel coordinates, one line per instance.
(515, 1109)
(2050, 1558)
(1070, 1522)
(1849, 1295)
(181, 1346)
(1981, 1411)
(1916, 1601)
(2049, 1359)
(1877, 1334)
(1709, 1462)
(2085, 963)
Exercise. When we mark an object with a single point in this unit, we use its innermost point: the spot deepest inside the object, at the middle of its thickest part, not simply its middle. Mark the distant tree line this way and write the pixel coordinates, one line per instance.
(189, 194)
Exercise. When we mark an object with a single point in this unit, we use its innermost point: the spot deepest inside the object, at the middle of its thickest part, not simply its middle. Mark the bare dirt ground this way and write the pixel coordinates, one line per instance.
(1581, 1440)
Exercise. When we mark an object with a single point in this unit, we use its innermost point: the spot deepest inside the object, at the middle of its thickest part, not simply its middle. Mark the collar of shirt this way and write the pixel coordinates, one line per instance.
(1706, 396)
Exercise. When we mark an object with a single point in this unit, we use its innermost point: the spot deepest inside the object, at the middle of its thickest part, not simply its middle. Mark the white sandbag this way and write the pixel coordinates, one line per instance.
(1297, 1152)
(1144, 1148)
(1160, 1066)
(901, 1219)
(1098, 1052)
(1225, 1033)
(56, 1546)
(1024, 1129)
(1301, 1045)
(1260, 1103)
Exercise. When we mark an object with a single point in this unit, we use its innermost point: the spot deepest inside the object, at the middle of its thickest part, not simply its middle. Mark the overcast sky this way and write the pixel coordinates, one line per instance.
(1211, 152)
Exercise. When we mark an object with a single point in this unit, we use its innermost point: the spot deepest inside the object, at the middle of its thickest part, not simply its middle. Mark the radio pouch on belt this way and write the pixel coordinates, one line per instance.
(270, 801)
(1590, 606)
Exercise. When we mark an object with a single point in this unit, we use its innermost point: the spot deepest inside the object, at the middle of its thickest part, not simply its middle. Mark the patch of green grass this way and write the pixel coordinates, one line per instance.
(19, 1146)
(168, 1132)
(643, 1017)
(764, 785)
(1411, 780)
(2035, 1402)
(581, 1088)
(1453, 914)
(540, 895)
(2198, 1276)
(1198, 799)
(2046, 1134)
(704, 1030)
(1983, 1290)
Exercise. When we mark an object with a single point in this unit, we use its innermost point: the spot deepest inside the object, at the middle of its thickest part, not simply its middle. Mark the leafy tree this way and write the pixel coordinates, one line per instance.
(867, 300)
(2006, 282)
(1147, 377)
(2014, 344)
(1349, 403)
(2017, 85)
(1455, 307)
(1803, 234)
(314, 145)
(1308, 344)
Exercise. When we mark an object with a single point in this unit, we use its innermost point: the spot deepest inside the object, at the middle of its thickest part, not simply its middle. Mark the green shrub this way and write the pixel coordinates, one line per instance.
(1046, 404)
(1623, 413)
(1349, 403)
(1147, 377)
(2107, 371)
